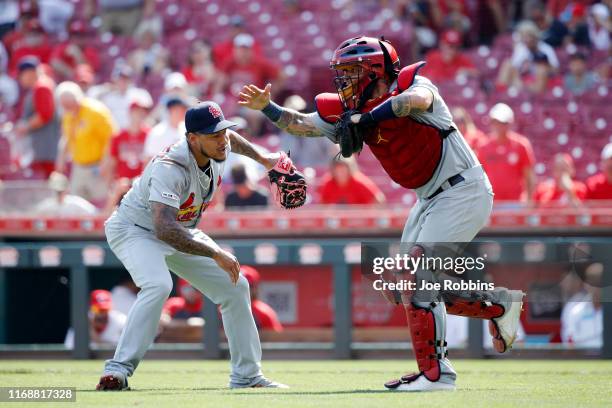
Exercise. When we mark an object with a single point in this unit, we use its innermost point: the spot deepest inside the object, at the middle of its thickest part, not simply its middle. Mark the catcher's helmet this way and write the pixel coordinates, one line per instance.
(359, 62)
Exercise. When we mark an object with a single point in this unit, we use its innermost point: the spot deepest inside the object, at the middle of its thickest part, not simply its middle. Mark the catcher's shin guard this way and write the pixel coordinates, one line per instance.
(472, 308)
(427, 332)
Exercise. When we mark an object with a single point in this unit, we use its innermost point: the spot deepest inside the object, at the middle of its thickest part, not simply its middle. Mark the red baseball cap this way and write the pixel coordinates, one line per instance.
(451, 37)
(100, 301)
(250, 274)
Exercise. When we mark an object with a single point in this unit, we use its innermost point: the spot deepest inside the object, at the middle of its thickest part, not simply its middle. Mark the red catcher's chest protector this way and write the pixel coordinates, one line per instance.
(409, 151)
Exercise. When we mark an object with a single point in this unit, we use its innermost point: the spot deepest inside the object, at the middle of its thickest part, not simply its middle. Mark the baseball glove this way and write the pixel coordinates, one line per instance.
(349, 135)
(290, 183)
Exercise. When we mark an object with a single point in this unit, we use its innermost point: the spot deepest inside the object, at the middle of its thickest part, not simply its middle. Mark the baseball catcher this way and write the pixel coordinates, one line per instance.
(403, 119)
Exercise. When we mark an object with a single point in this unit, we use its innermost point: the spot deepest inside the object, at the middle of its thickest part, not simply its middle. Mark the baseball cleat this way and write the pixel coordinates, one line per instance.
(112, 382)
(262, 382)
(504, 328)
(418, 382)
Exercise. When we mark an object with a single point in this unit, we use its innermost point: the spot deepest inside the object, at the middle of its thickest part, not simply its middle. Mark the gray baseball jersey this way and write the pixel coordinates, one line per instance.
(457, 156)
(172, 178)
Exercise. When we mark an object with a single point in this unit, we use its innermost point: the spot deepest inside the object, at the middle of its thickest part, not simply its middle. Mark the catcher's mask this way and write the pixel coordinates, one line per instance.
(359, 63)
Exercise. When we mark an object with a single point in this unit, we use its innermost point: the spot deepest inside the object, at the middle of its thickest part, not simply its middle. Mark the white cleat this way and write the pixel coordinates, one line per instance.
(260, 383)
(418, 382)
(504, 329)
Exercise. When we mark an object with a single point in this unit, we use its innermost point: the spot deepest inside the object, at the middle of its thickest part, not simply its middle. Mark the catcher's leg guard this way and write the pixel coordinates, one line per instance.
(501, 306)
(427, 329)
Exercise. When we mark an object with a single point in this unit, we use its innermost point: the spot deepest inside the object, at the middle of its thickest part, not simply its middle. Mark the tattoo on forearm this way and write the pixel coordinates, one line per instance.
(242, 146)
(297, 124)
(401, 104)
(168, 229)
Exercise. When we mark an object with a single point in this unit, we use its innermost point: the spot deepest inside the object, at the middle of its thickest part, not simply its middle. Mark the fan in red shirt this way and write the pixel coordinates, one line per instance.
(561, 188)
(68, 55)
(445, 63)
(475, 137)
(508, 158)
(265, 316)
(126, 148)
(599, 186)
(30, 40)
(187, 304)
(223, 51)
(345, 184)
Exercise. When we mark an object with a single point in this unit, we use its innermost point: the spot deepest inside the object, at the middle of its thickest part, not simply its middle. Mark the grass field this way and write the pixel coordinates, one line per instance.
(179, 384)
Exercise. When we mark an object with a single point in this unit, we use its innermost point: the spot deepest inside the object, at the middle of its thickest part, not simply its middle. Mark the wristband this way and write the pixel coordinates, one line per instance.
(384, 111)
(272, 111)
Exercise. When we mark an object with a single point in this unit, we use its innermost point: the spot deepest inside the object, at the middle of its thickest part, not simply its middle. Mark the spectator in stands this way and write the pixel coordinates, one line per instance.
(84, 76)
(9, 14)
(175, 86)
(305, 151)
(87, 127)
(223, 50)
(345, 184)
(599, 186)
(124, 295)
(562, 188)
(573, 292)
(265, 317)
(39, 120)
(600, 26)
(30, 39)
(200, 71)
(579, 79)
(54, 16)
(246, 67)
(583, 326)
(447, 62)
(244, 192)
(475, 137)
(527, 52)
(168, 131)
(119, 93)
(76, 50)
(63, 204)
(187, 304)
(567, 27)
(120, 17)
(124, 158)
(151, 57)
(9, 90)
(508, 158)
(105, 323)
(492, 18)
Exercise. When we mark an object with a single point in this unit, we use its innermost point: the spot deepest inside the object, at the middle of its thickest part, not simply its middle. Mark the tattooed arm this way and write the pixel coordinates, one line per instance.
(291, 121)
(168, 230)
(417, 99)
(242, 146)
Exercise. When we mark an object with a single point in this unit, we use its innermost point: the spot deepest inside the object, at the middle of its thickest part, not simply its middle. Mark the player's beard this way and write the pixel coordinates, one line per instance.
(205, 154)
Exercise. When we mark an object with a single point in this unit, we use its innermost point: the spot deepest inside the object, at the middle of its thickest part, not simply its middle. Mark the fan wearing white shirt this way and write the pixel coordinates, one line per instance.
(168, 131)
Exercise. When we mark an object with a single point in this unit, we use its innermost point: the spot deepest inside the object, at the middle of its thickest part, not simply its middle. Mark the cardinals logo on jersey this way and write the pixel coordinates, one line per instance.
(188, 211)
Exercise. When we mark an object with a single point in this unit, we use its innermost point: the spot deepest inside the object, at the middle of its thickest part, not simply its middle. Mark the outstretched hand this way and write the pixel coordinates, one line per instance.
(255, 98)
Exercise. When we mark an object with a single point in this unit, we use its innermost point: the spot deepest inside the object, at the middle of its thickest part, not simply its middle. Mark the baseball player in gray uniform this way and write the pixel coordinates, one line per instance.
(153, 231)
(408, 127)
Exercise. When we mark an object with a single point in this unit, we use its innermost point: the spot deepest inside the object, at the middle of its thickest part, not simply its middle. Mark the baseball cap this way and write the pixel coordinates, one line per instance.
(175, 80)
(451, 37)
(606, 153)
(250, 274)
(140, 98)
(244, 40)
(502, 113)
(175, 101)
(28, 62)
(206, 117)
(101, 300)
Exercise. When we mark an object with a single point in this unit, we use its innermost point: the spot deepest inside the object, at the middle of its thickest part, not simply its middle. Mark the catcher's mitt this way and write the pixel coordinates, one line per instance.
(349, 135)
(290, 183)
